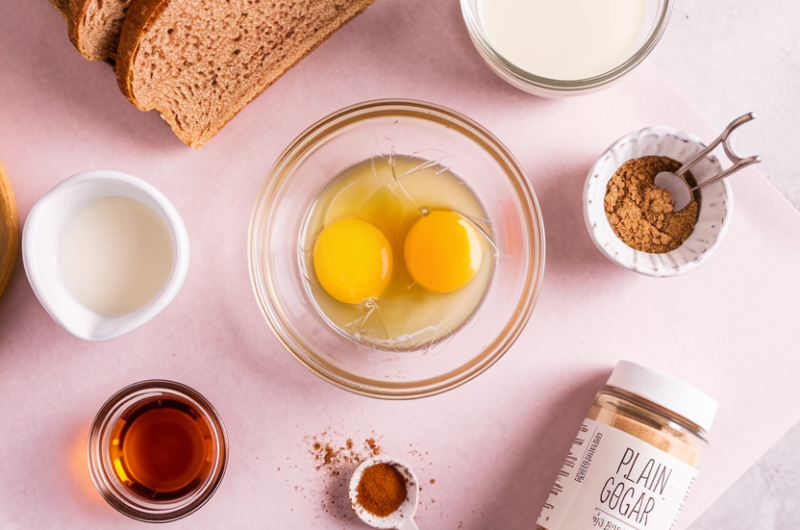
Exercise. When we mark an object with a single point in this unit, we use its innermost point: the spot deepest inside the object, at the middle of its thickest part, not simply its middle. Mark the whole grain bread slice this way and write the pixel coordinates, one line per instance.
(199, 62)
(94, 27)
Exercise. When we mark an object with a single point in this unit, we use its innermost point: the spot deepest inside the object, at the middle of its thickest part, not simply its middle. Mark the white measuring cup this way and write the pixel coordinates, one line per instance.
(42, 234)
(403, 517)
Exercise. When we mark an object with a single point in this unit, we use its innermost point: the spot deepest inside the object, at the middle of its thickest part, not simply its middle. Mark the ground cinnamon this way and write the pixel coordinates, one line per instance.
(640, 213)
(381, 490)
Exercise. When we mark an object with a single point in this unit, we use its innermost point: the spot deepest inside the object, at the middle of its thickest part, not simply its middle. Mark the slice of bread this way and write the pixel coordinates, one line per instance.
(199, 62)
(94, 27)
(9, 230)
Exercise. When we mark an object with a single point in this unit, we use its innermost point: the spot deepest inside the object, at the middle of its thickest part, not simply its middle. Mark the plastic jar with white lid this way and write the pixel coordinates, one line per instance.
(634, 460)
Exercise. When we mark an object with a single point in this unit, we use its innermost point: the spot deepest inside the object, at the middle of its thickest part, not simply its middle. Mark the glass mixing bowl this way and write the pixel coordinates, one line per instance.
(380, 128)
(657, 14)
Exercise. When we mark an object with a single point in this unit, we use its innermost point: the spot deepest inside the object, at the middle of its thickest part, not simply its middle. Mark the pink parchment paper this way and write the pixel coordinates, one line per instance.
(492, 446)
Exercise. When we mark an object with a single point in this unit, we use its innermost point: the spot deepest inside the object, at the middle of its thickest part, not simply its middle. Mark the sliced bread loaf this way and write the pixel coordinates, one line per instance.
(199, 62)
(95, 25)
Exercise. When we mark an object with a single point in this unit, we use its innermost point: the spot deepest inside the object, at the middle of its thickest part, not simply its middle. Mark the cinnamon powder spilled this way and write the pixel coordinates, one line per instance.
(381, 490)
(640, 213)
(334, 455)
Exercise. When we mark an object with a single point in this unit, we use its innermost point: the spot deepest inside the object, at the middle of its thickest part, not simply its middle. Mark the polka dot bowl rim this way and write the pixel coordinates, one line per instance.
(716, 202)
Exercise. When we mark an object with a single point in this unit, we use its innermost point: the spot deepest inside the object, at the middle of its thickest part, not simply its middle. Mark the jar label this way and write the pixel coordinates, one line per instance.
(612, 480)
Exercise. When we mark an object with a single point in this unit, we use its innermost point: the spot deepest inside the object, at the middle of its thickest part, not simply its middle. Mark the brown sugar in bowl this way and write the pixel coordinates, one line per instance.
(716, 202)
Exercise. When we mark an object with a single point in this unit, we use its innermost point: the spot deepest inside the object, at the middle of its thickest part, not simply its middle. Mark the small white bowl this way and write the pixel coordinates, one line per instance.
(716, 202)
(403, 517)
(43, 231)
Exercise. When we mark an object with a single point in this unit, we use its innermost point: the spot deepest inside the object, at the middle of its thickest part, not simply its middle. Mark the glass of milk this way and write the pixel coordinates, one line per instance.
(104, 252)
(556, 48)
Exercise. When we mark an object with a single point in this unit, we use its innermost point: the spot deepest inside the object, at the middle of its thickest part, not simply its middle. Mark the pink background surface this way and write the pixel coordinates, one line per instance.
(494, 445)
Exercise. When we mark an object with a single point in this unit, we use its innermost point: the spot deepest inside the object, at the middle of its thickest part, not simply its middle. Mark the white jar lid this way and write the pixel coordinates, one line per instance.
(677, 396)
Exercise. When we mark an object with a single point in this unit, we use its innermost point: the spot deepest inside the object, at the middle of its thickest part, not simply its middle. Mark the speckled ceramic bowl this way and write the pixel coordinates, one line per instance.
(716, 202)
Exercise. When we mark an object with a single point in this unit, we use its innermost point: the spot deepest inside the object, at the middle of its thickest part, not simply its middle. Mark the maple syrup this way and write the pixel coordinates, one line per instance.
(160, 449)
(157, 451)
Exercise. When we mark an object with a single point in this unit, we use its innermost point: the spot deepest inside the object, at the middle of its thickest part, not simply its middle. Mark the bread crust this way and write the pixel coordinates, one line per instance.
(77, 13)
(9, 230)
(143, 15)
(79, 30)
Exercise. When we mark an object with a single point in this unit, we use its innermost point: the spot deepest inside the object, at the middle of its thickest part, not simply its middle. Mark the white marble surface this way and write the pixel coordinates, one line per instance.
(764, 498)
(729, 57)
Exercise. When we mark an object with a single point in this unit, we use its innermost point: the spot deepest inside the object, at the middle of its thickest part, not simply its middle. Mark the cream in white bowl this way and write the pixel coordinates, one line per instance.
(104, 252)
(716, 202)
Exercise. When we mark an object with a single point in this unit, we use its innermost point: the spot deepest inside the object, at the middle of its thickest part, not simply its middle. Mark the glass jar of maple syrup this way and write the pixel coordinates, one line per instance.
(157, 451)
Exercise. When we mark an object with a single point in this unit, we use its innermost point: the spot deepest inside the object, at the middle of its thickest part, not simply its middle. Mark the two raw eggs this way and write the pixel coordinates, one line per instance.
(401, 252)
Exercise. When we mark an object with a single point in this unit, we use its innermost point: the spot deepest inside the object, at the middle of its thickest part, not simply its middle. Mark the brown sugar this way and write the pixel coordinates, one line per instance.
(640, 213)
(644, 426)
(381, 490)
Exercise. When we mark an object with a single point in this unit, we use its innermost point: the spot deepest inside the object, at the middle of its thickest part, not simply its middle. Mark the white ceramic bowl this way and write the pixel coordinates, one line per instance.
(716, 202)
(402, 518)
(42, 233)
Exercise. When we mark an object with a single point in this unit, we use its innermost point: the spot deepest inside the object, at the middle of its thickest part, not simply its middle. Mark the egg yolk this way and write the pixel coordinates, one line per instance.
(442, 251)
(353, 261)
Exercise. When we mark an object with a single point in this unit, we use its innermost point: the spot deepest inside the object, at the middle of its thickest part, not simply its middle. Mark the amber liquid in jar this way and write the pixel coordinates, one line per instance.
(162, 450)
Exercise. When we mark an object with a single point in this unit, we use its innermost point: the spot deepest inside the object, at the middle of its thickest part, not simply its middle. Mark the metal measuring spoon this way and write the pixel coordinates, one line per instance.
(403, 517)
(679, 189)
